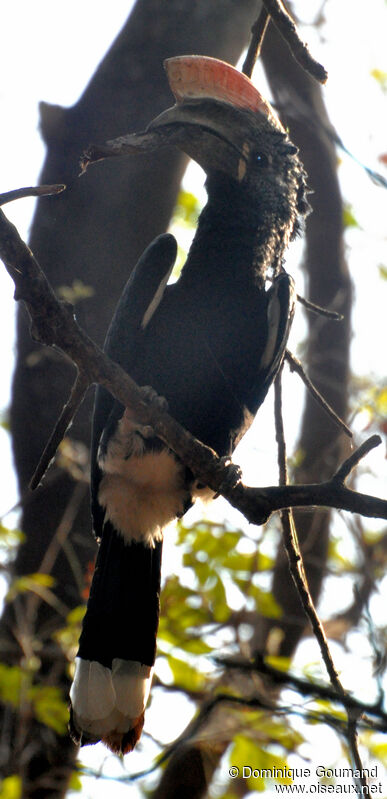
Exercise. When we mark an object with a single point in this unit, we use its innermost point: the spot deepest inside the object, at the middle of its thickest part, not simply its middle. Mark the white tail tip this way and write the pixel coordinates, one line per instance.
(108, 704)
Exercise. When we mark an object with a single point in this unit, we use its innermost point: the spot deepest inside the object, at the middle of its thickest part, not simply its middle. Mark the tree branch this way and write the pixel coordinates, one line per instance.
(372, 716)
(296, 366)
(306, 687)
(297, 570)
(290, 540)
(258, 31)
(275, 10)
(75, 400)
(53, 324)
(298, 48)
(317, 309)
(31, 191)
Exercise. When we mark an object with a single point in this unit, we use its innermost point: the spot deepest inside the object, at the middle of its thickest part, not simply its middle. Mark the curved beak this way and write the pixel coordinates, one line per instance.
(215, 121)
(215, 134)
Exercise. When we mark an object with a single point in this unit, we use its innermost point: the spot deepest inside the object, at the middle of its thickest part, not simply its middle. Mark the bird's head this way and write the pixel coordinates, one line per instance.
(223, 122)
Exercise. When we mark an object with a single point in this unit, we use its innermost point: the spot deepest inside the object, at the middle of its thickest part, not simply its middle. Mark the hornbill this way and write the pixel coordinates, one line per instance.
(210, 344)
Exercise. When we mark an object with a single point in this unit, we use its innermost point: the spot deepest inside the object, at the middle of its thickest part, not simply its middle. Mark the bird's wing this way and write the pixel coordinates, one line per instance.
(139, 300)
(280, 311)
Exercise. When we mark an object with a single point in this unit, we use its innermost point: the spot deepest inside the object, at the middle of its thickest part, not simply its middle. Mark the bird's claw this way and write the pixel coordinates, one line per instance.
(232, 476)
(153, 398)
(150, 396)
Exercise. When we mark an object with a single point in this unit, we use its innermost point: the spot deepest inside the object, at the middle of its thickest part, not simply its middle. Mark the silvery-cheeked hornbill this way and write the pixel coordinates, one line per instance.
(211, 344)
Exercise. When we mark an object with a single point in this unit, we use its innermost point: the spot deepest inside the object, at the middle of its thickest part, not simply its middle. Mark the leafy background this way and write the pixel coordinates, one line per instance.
(218, 571)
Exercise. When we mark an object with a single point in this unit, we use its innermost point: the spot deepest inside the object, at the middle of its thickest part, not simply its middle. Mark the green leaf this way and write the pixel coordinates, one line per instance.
(280, 732)
(379, 750)
(265, 602)
(340, 563)
(177, 637)
(47, 701)
(196, 646)
(4, 420)
(187, 209)
(68, 635)
(381, 78)
(30, 582)
(75, 783)
(76, 292)
(183, 614)
(327, 706)
(382, 271)
(202, 570)
(11, 681)
(246, 751)
(239, 562)
(219, 604)
(381, 401)
(349, 219)
(10, 537)
(279, 662)
(248, 562)
(76, 615)
(185, 675)
(11, 788)
(50, 708)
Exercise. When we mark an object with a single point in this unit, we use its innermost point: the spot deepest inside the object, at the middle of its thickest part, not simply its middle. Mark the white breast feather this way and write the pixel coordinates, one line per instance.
(141, 491)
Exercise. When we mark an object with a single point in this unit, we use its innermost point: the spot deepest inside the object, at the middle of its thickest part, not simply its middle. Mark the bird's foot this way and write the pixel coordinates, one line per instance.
(150, 396)
(232, 476)
(153, 398)
(134, 427)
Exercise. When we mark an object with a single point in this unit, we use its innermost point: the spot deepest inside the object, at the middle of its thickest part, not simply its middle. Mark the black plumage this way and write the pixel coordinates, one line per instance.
(211, 344)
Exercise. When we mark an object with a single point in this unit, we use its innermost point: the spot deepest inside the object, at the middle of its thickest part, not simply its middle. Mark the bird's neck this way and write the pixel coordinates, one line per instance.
(234, 239)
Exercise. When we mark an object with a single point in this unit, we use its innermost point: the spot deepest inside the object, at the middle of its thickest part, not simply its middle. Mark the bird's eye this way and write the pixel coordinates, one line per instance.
(261, 159)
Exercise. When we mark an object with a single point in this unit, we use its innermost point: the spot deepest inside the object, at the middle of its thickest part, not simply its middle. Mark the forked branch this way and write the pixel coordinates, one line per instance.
(297, 570)
(274, 10)
(53, 324)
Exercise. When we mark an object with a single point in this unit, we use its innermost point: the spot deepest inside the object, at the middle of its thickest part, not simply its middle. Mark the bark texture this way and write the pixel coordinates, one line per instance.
(94, 232)
(328, 284)
(301, 107)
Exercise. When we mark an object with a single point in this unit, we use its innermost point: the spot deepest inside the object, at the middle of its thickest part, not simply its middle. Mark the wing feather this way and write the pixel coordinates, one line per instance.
(140, 298)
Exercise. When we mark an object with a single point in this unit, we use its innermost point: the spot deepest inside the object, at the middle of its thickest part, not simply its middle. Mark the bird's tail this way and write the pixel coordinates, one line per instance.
(118, 644)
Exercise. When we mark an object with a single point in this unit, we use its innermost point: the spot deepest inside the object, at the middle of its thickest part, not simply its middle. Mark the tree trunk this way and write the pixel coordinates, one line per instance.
(301, 107)
(94, 232)
(105, 218)
(329, 285)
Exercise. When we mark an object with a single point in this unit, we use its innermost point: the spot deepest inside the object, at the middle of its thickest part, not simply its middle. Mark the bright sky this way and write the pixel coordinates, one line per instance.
(49, 50)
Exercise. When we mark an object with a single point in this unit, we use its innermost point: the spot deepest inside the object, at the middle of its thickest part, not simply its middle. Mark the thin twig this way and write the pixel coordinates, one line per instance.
(298, 48)
(346, 468)
(297, 571)
(296, 366)
(76, 398)
(31, 191)
(54, 324)
(293, 550)
(57, 543)
(256, 702)
(303, 686)
(379, 653)
(257, 504)
(279, 431)
(317, 309)
(258, 31)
